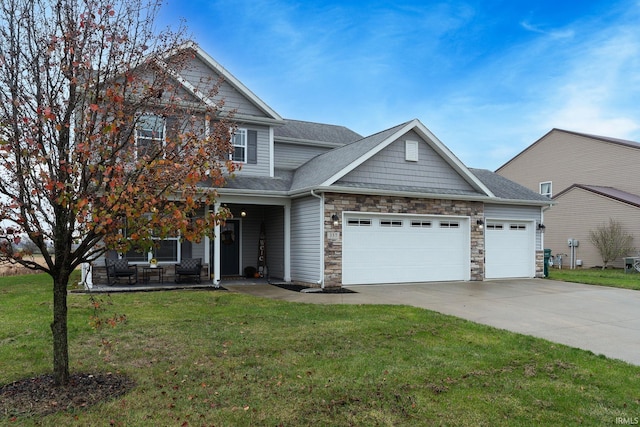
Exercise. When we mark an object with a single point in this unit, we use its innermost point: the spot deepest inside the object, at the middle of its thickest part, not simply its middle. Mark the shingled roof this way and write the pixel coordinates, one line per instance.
(315, 132)
(609, 192)
(504, 188)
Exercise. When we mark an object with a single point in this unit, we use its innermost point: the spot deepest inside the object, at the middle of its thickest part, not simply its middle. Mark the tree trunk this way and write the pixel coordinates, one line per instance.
(59, 330)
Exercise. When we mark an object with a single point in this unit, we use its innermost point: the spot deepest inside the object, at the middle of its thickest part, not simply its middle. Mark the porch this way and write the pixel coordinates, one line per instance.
(152, 286)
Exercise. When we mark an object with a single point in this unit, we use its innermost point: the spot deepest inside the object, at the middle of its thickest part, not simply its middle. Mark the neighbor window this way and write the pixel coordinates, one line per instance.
(150, 130)
(239, 142)
(545, 189)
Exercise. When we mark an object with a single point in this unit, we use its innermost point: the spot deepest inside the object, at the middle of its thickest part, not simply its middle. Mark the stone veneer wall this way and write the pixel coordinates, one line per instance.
(540, 264)
(338, 203)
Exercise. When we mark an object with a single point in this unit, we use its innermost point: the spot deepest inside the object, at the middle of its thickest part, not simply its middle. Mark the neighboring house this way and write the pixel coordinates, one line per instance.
(591, 178)
(319, 204)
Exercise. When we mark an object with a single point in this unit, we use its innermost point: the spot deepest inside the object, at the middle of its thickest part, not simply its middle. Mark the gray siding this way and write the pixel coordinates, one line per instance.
(523, 213)
(389, 167)
(204, 78)
(306, 238)
(274, 229)
(262, 167)
(250, 231)
(292, 156)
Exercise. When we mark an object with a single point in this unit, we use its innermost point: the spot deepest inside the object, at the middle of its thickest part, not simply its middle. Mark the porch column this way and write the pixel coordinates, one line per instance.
(287, 241)
(216, 250)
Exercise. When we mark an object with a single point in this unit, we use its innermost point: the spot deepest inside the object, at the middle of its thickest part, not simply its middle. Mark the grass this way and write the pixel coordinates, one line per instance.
(220, 358)
(596, 276)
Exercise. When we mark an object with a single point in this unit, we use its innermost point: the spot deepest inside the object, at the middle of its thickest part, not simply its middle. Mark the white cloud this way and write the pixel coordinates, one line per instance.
(554, 34)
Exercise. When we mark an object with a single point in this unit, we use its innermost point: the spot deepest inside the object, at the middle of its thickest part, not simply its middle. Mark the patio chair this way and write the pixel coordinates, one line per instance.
(120, 268)
(189, 267)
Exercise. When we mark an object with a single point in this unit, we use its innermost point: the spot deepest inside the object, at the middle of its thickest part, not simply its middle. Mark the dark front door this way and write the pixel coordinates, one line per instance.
(230, 248)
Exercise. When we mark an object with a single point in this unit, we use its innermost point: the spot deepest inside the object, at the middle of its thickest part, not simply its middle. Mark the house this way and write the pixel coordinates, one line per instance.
(591, 178)
(320, 204)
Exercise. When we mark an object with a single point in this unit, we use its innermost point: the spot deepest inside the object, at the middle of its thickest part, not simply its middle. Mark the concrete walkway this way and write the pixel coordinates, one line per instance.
(600, 319)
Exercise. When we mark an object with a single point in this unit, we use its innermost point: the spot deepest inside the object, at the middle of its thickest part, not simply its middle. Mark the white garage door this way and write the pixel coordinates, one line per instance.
(509, 249)
(404, 248)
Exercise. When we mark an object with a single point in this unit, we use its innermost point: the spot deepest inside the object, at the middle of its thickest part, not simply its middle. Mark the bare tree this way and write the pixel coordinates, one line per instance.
(612, 241)
(75, 76)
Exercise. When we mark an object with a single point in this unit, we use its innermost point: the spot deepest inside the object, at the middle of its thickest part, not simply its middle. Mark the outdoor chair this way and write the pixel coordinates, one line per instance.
(189, 267)
(120, 268)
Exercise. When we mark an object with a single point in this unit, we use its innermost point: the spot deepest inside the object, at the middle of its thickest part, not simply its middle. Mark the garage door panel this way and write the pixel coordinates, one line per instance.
(383, 254)
(509, 249)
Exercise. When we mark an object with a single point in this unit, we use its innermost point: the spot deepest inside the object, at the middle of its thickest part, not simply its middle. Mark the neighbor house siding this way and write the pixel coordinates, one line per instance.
(306, 240)
(389, 168)
(579, 211)
(566, 159)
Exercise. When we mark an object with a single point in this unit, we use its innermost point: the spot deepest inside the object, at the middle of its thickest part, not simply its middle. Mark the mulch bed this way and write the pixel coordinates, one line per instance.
(38, 396)
(301, 288)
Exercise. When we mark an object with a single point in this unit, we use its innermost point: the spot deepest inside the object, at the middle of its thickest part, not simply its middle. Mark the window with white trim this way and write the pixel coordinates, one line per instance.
(545, 189)
(150, 131)
(492, 226)
(517, 227)
(239, 142)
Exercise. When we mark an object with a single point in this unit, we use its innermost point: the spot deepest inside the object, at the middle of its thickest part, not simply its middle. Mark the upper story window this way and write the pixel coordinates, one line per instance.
(150, 130)
(545, 189)
(239, 142)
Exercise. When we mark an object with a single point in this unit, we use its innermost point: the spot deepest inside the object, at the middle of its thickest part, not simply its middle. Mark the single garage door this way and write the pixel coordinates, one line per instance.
(404, 248)
(509, 249)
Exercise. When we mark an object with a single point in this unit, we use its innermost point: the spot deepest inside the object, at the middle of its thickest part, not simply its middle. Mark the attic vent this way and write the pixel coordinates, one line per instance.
(411, 151)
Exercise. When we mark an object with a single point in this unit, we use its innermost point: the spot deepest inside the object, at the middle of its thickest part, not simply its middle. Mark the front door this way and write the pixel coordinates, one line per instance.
(230, 248)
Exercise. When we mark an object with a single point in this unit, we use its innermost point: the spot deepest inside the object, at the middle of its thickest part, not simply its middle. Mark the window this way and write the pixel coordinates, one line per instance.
(163, 250)
(423, 224)
(390, 223)
(239, 142)
(449, 224)
(150, 130)
(517, 227)
(355, 222)
(492, 226)
(545, 189)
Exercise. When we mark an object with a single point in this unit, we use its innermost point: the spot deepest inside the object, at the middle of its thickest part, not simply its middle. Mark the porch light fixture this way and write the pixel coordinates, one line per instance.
(480, 223)
(541, 227)
(243, 213)
(335, 218)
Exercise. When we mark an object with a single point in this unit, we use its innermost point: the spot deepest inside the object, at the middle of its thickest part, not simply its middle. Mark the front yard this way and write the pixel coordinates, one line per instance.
(220, 358)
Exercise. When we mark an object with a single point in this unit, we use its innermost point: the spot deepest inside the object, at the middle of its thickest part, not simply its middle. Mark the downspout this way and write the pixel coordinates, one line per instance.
(321, 280)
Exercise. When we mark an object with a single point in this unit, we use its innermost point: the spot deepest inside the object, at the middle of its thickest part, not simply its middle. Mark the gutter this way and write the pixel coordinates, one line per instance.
(321, 280)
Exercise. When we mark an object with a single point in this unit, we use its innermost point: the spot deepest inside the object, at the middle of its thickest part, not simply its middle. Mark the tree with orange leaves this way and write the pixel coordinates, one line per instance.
(79, 79)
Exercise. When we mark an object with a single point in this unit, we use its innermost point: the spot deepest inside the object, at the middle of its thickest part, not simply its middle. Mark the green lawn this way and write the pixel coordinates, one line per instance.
(225, 359)
(596, 276)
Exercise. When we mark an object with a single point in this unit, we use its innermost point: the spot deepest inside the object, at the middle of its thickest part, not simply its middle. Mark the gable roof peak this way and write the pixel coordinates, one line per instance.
(231, 79)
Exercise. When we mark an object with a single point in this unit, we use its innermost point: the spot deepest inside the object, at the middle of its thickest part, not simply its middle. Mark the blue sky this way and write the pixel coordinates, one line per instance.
(488, 78)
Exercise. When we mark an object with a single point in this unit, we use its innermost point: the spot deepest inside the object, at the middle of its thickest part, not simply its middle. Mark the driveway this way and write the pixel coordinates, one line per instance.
(600, 319)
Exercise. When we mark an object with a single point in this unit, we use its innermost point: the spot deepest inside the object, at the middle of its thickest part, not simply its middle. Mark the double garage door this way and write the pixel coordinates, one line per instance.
(404, 248)
(410, 248)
